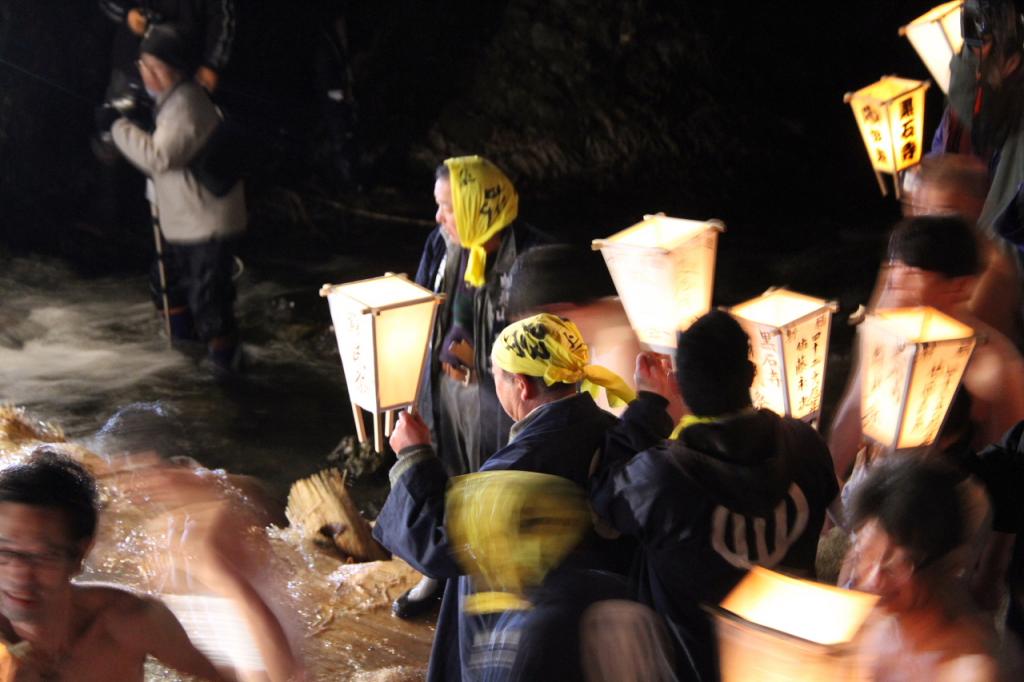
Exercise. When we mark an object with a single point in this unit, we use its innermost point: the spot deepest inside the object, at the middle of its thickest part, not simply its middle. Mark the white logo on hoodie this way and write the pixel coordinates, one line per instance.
(787, 531)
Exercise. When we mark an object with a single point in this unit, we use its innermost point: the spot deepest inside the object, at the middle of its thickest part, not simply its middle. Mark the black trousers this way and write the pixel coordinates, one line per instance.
(199, 278)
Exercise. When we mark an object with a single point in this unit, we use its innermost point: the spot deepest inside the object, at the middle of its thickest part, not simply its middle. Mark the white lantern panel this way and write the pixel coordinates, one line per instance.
(383, 328)
(806, 351)
(354, 332)
(885, 365)
(906, 120)
(936, 37)
(890, 116)
(789, 336)
(773, 628)
(912, 360)
(768, 390)
(402, 338)
(663, 269)
(951, 25)
(809, 610)
(938, 369)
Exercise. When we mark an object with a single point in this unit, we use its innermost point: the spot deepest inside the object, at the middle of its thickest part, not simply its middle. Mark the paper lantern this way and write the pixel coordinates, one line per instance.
(773, 627)
(936, 36)
(664, 272)
(383, 326)
(890, 115)
(789, 335)
(912, 360)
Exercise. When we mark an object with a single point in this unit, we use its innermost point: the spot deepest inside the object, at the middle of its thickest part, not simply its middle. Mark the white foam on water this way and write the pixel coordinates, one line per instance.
(65, 340)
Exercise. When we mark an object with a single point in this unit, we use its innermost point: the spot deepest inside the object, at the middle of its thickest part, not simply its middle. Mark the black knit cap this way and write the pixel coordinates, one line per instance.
(172, 45)
(942, 244)
(713, 366)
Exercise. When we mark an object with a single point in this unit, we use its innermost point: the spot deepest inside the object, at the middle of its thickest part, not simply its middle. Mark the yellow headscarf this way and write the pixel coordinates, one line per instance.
(508, 529)
(552, 347)
(485, 203)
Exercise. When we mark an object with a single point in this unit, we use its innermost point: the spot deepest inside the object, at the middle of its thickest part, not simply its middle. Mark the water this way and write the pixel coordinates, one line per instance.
(76, 350)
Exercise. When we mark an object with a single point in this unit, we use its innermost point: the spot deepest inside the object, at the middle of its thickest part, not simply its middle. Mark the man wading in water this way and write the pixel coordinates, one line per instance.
(56, 630)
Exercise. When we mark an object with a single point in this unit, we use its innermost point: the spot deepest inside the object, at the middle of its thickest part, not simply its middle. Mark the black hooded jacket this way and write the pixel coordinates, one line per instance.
(751, 489)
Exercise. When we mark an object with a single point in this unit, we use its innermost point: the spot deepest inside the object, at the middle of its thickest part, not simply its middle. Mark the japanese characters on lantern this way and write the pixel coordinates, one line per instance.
(383, 328)
(789, 334)
(912, 360)
(890, 115)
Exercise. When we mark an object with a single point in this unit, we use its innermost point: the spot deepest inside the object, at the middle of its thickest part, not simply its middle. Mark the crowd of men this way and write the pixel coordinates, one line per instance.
(692, 485)
(574, 524)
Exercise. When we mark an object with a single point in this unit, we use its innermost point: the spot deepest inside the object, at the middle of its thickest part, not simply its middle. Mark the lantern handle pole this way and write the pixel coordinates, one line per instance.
(357, 416)
(881, 183)
(378, 432)
(389, 422)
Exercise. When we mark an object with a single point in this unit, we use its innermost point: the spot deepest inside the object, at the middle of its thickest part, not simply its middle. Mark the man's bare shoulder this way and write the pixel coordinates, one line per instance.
(119, 611)
(996, 362)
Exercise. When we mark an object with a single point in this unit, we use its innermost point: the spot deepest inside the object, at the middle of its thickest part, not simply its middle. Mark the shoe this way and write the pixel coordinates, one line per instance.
(419, 599)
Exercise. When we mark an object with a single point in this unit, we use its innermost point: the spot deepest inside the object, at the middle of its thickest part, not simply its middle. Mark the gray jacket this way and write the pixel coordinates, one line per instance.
(185, 118)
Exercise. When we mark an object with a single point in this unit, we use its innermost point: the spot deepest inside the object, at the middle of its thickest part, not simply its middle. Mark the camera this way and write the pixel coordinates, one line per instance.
(976, 22)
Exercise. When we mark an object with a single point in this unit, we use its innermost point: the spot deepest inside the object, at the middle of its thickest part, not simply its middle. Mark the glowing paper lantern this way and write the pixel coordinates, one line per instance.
(937, 37)
(789, 346)
(912, 360)
(664, 272)
(890, 115)
(775, 628)
(383, 326)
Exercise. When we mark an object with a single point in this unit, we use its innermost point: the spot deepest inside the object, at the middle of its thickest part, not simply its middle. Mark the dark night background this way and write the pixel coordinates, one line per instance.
(599, 110)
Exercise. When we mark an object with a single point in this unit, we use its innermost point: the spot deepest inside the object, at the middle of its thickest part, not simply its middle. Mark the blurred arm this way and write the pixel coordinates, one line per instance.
(172, 145)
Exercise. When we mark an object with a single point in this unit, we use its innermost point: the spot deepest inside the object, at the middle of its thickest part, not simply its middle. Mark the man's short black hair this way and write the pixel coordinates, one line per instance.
(52, 480)
(942, 244)
(917, 503)
(442, 172)
(557, 273)
(713, 366)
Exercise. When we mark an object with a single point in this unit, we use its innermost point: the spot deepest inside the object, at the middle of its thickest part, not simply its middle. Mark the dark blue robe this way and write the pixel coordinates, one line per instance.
(561, 438)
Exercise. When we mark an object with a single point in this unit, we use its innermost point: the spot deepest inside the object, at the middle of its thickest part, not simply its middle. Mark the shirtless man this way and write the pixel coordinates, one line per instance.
(957, 184)
(56, 630)
(910, 520)
(934, 261)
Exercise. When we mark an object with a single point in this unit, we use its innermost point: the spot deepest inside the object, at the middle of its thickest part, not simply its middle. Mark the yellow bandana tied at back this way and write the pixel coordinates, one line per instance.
(508, 529)
(485, 203)
(552, 347)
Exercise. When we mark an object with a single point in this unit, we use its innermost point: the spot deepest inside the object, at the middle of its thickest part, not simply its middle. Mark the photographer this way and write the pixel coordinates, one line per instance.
(986, 109)
(199, 225)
